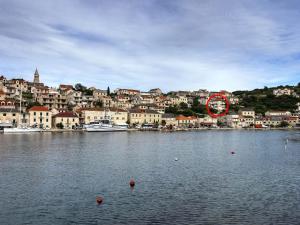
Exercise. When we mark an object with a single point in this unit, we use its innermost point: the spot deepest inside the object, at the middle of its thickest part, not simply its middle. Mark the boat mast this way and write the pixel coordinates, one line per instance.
(20, 106)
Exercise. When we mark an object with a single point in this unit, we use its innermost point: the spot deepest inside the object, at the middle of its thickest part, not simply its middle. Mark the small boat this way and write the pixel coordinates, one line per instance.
(104, 125)
(21, 130)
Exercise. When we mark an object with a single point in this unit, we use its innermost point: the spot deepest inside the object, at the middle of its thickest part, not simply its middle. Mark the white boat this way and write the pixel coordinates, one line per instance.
(21, 130)
(104, 126)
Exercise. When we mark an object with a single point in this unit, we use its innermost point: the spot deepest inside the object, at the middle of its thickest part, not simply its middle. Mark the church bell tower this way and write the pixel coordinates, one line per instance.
(36, 79)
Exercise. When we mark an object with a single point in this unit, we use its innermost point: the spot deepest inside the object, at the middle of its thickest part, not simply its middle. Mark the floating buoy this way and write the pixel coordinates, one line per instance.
(99, 200)
(176, 159)
(232, 153)
(132, 183)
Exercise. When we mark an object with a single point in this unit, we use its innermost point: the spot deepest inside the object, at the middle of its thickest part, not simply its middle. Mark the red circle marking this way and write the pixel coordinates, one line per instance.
(218, 96)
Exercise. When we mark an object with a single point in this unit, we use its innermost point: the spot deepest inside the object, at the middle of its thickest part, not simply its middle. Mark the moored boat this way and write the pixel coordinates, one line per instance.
(21, 130)
(104, 126)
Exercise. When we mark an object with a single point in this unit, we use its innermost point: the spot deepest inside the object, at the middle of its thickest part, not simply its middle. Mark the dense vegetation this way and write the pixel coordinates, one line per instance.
(262, 100)
(196, 110)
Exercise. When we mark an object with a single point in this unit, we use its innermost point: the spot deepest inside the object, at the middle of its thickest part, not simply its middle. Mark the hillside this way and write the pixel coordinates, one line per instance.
(263, 100)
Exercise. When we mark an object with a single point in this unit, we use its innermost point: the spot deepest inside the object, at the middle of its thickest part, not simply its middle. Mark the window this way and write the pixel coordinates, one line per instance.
(73, 120)
(46, 120)
(34, 113)
(14, 114)
(34, 120)
(41, 113)
(47, 114)
(4, 114)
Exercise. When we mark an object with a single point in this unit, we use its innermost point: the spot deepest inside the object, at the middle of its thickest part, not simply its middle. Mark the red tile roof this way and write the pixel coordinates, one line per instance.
(66, 114)
(65, 86)
(181, 117)
(38, 108)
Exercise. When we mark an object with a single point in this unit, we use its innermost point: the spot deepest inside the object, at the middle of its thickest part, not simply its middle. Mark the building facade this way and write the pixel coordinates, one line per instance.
(68, 120)
(40, 116)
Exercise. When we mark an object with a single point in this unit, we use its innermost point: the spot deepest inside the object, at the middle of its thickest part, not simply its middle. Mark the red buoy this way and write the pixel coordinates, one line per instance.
(132, 183)
(99, 200)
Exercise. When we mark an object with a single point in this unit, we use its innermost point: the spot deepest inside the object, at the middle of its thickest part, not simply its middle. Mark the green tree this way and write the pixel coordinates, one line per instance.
(183, 105)
(197, 107)
(219, 123)
(80, 87)
(98, 103)
(88, 92)
(31, 104)
(60, 125)
(283, 124)
(172, 109)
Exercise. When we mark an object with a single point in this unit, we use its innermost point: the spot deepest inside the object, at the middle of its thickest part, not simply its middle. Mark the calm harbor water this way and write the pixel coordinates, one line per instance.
(54, 178)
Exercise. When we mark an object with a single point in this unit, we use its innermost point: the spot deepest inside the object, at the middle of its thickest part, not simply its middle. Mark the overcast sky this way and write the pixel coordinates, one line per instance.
(171, 44)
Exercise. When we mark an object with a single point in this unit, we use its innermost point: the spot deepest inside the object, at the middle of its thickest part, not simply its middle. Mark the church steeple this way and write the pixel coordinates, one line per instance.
(36, 76)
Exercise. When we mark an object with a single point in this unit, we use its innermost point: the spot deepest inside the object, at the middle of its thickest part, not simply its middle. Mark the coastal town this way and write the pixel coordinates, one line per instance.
(69, 107)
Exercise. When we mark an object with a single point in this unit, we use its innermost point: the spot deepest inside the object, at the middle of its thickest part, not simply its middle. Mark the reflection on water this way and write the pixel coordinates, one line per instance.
(55, 178)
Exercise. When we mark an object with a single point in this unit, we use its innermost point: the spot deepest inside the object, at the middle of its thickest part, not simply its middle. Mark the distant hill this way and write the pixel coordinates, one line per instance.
(263, 100)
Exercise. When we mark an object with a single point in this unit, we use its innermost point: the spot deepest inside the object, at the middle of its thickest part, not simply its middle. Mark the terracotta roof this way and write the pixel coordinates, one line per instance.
(38, 108)
(143, 111)
(65, 114)
(182, 117)
(65, 86)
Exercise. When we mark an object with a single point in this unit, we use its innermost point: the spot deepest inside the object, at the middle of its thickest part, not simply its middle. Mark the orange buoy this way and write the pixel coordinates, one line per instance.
(99, 200)
(132, 183)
